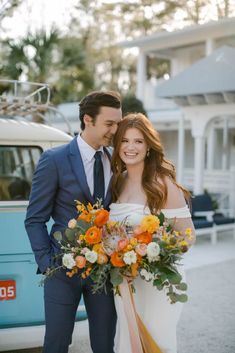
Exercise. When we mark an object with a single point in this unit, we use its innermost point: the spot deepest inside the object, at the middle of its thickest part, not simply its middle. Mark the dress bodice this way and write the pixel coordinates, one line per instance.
(135, 212)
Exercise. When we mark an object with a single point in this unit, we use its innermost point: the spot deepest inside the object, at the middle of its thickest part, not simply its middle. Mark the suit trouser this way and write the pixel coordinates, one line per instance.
(62, 296)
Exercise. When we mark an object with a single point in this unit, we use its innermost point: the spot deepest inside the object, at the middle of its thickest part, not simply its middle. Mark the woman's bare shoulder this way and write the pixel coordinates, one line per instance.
(175, 196)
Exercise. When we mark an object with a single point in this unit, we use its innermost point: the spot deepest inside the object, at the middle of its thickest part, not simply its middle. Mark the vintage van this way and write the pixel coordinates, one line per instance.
(21, 297)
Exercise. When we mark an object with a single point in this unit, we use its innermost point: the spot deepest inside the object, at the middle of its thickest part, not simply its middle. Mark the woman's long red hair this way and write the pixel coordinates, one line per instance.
(156, 167)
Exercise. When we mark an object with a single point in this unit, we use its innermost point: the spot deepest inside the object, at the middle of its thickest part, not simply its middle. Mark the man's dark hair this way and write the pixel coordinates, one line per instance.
(91, 104)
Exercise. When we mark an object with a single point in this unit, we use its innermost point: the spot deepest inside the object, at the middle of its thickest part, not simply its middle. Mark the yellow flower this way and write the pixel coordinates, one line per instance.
(110, 225)
(133, 241)
(150, 223)
(176, 233)
(188, 231)
(165, 237)
(80, 207)
(129, 247)
(183, 243)
(81, 237)
(89, 207)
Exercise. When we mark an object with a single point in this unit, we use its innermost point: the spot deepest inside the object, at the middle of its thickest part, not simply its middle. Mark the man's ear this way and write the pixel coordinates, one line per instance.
(87, 120)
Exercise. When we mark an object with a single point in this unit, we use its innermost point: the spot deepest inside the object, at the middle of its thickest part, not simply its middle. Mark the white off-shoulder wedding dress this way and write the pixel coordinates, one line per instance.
(158, 315)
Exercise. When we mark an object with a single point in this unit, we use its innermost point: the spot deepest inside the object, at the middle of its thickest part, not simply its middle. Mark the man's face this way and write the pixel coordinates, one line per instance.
(102, 131)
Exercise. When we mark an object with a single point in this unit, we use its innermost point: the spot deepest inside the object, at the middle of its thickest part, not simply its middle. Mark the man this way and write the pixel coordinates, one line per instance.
(77, 171)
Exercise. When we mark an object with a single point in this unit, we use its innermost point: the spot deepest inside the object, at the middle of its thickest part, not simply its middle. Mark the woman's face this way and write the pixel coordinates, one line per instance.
(133, 147)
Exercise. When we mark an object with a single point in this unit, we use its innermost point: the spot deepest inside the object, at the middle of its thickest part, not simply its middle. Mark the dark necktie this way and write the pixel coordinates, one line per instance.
(98, 177)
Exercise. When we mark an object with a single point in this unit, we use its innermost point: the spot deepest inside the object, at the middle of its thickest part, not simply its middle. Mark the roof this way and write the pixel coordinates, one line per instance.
(186, 36)
(211, 79)
(13, 130)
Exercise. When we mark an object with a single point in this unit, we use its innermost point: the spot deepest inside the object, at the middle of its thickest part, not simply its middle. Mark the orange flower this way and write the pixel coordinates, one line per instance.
(117, 259)
(93, 235)
(144, 237)
(101, 217)
(80, 261)
(85, 216)
(102, 259)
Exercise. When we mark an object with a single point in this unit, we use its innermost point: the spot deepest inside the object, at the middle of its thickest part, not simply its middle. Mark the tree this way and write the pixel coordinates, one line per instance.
(59, 61)
(131, 104)
(7, 8)
(75, 78)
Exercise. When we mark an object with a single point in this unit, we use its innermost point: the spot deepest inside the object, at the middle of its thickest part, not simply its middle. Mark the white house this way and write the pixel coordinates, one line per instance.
(194, 110)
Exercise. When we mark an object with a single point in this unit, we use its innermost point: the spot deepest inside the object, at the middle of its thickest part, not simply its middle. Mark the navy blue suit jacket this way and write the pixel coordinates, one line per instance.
(59, 179)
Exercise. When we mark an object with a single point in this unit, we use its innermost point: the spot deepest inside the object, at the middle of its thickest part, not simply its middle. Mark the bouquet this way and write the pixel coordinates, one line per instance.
(104, 249)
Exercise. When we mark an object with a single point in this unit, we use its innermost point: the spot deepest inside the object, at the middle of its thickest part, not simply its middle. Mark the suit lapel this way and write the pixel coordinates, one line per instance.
(78, 169)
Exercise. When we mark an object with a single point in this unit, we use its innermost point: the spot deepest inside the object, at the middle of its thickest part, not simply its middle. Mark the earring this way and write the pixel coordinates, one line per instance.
(147, 154)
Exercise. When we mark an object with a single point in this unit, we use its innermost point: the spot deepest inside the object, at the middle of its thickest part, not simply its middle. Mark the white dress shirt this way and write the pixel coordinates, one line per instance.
(87, 154)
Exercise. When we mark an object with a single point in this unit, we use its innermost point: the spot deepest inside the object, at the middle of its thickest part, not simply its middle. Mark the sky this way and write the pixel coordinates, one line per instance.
(37, 14)
(33, 15)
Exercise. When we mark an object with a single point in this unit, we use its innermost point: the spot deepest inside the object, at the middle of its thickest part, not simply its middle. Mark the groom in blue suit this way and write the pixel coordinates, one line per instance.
(64, 174)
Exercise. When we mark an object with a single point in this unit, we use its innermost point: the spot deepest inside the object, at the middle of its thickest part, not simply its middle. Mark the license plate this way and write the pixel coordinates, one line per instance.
(7, 289)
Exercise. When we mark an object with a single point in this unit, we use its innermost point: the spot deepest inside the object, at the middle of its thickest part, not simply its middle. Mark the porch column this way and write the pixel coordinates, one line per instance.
(211, 148)
(181, 137)
(232, 193)
(225, 145)
(209, 46)
(199, 158)
(141, 75)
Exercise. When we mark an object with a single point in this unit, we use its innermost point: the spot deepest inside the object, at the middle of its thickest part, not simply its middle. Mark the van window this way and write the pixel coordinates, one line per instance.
(17, 165)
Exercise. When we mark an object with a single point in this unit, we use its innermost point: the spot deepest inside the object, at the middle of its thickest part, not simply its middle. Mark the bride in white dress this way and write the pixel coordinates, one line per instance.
(143, 182)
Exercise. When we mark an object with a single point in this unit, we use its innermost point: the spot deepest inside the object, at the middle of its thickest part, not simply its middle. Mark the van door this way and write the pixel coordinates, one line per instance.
(19, 284)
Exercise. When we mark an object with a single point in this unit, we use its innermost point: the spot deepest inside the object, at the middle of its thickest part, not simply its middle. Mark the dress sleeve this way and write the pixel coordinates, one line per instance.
(182, 212)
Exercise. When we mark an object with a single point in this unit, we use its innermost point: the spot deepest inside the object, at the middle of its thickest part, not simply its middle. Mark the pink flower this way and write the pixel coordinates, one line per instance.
(141, 249)
(84, 250)
(80, 261)
(122, 244)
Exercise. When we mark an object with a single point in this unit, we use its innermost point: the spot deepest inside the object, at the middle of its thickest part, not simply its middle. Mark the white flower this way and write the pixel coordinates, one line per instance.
(91, 256)
(153, 250)
(130, 257)
(72, 223)
(68, 261)
(147, 275)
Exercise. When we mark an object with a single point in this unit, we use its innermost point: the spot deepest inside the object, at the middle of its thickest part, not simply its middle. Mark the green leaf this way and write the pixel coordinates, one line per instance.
(163, 276)
(83, 226)
(181, 286)
(70, 234)
(174, 278)
(158, 283)
(172, 297)
(115, 277)
(161, 218)
(58, 236)
(182, 298)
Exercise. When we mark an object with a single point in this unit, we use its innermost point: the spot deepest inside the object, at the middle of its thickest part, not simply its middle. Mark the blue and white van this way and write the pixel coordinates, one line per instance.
(21, 297)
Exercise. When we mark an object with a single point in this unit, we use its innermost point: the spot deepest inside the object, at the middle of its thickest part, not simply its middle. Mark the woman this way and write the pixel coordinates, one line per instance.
(144, 182)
